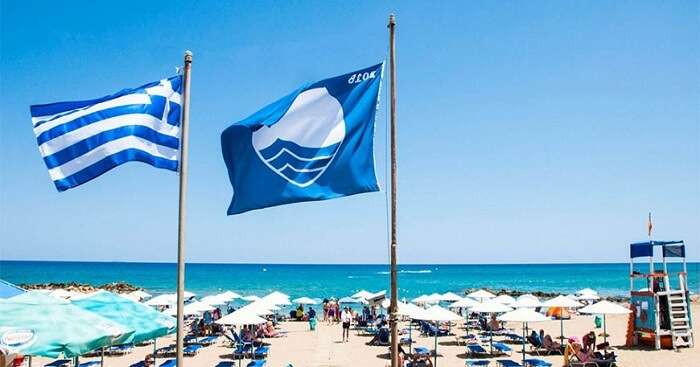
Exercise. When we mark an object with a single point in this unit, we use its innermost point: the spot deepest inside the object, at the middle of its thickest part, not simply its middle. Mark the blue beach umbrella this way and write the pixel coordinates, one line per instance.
(36, 324)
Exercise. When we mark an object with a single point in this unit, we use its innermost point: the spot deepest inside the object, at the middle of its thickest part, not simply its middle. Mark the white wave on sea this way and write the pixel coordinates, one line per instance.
(426, 271)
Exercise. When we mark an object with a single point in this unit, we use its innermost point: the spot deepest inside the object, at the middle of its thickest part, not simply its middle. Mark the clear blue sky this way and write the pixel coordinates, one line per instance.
(528, 131)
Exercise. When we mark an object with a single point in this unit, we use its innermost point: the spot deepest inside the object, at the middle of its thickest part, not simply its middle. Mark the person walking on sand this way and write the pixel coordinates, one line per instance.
(346, 318)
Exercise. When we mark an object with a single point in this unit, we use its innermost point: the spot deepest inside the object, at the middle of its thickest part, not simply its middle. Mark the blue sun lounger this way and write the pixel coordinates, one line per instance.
(58, 363)
(421, 351)
(502, 348)
(261, 352)
(89, 364)
(534, 362)
(257, 363)
(508, 363)
(169, 363)
(476, 349)
(192, 349)
(477, 362)
(226, 364)
(209, 340)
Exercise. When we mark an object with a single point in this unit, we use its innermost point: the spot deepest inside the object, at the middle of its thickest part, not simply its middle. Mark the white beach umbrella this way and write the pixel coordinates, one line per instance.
(61, 293)
(523, 315)
(490, 307)
(408, 309)
(465, 302)
(240, 318)
(362, 294)
(141, 295)
(192, 309)
(481, 295)
(562, 302)
(434, 298)
(605, 308)
(526, 302)
(214, 300)
(277, 298)
(450, 297)
(420, 299)
(572, 296)
(229, 296)
(162, 300)
(437, 314)
(528, 296)
(351, 300)
(504, 299)
(588, 297)
(586, 291)
(304, 301)
(251, 298)
(200, 306)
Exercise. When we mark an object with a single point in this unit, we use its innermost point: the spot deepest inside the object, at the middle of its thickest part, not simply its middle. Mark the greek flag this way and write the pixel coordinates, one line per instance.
(314, 144)
(83, 139)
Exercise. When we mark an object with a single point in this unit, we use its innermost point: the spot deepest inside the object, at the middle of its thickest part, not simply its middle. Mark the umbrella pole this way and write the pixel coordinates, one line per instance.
(605, 333)
(561, 322)
(437, 328)
(491, 336)
(102, 357)
(410, 339)
(523, 341)
(154, 352)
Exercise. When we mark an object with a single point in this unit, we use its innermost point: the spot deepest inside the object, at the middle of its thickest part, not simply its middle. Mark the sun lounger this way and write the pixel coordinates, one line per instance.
(406, 341)
(226, 364)
(476, 349)
(169, 363)
(120, 349)
(502, 348)
(508, 363)
(261, 352)
(139, 364)
(421, 351)
(89, 364)
(58, 363)
(257, 363)
(477, 362)
(191, 350)
(534, 362)
(208, 340)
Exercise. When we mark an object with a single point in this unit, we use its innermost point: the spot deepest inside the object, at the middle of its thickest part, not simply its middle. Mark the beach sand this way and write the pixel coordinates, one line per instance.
(323, 347)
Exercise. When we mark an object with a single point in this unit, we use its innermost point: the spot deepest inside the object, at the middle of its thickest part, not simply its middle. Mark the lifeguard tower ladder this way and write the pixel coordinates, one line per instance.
(661, 313)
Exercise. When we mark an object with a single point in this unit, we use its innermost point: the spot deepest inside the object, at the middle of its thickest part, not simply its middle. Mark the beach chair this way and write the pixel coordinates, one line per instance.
(421, 351)
(502, 348)
(191, 350)
(261, 352)
(226, 364)
(58, 363)
(89, 364)
(534, 362)
(206, 341)
(477, 362)
(476, 349)
(169, 363)
(508, 363)
(257, 363)
(120, 349)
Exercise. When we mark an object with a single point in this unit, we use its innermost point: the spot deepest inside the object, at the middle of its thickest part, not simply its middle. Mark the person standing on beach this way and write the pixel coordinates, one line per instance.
(346, 318)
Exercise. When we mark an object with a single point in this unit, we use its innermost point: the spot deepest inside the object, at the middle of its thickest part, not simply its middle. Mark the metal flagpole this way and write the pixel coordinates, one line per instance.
(181, 215)
(393, 318)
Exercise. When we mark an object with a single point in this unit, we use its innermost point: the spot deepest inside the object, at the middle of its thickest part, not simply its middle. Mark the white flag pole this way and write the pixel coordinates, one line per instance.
(181, 213)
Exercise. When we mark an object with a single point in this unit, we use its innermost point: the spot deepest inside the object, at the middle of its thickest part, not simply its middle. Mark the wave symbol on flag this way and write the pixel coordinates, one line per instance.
(302, 144)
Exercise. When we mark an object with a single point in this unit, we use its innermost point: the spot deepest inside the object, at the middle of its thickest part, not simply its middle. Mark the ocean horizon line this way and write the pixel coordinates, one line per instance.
(320, 264)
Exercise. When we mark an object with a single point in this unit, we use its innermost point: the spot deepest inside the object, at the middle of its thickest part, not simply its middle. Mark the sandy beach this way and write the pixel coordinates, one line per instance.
(323, 347)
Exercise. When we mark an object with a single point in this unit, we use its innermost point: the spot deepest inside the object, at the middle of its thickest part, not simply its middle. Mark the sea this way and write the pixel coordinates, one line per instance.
(322, 281)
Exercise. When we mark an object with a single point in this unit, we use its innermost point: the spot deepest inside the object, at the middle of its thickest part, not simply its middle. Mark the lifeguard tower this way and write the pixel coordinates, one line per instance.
(661, 307)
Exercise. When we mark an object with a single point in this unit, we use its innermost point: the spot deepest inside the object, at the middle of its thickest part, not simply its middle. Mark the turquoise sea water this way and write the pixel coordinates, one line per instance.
(333, 280)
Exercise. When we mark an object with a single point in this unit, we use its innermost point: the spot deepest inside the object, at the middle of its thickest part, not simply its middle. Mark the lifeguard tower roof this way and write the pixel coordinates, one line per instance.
(670, 248)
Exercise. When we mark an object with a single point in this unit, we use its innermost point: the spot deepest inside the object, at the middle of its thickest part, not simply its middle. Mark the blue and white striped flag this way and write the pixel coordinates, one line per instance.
(82, 140)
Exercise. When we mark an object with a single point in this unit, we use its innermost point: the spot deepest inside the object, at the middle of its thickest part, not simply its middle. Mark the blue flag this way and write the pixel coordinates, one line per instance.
(314, 144)
(81, 140)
